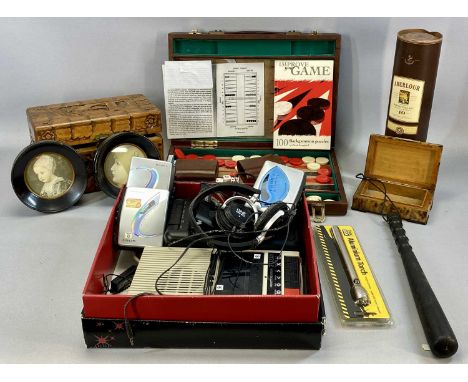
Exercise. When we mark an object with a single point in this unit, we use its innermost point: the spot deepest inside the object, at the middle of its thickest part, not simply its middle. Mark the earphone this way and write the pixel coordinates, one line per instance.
(142, 214)
(239, 216)
(153, 176)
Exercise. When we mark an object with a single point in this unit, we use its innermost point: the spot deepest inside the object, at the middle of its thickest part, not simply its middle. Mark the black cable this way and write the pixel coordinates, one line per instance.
(172, 243)
(223, 233)
(179, 258)
(128, 327)
(206, 236)
(286, 225)
(239, 269)
(278, 261)
(292, 213)
(247, 174)
(210, 271)
(226, 234)
(383, 190)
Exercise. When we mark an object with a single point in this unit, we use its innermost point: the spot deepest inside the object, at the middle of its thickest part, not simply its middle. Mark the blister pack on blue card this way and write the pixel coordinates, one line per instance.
(279, 183)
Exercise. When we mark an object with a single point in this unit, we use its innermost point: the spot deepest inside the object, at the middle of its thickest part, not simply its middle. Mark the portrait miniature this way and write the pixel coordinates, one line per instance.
(49, 175)
(117, 163)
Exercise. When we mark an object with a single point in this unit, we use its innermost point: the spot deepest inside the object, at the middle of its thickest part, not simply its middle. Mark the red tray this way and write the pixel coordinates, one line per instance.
(212, 308)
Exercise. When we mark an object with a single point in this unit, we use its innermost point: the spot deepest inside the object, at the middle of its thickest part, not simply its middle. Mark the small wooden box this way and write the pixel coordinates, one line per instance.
(266, 47)
(408, 169)
(84, 124)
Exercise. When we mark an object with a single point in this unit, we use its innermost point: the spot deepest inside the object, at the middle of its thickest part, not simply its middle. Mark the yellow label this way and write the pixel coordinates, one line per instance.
(402, 129)
(377, 307)
(133, 203)
(406, 99)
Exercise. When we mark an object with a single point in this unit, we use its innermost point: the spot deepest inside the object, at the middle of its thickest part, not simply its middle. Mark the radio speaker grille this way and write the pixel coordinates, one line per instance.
(187, 277)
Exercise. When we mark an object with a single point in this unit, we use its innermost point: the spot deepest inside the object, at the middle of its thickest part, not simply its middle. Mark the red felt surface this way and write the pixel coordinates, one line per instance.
(287, 308)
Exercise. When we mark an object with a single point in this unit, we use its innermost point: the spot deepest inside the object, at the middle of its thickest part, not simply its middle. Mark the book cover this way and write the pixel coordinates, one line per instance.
(303, 104)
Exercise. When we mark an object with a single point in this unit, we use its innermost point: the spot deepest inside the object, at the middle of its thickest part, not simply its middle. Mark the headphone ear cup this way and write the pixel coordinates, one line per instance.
(222, 221)
(243, 242)
(226, 221)
(268, 214)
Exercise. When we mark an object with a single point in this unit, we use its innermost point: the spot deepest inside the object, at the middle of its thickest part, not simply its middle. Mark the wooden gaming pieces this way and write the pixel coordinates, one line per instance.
(209, 156)
(237, 158)
(295, 161)
(323, 179)
(230, 164)
(314, 167)
(322, 160)
(308, 159)
(324, 171)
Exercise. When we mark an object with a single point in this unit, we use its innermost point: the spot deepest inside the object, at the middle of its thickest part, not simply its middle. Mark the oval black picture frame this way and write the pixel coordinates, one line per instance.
(108, 145)
(35, 201)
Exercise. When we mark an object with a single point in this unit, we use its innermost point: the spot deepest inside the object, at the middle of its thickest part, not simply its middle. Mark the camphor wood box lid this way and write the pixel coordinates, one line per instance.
(86, 121)
(403, 161)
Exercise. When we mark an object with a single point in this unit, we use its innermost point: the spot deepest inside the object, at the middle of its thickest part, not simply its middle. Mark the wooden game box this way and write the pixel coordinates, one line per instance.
(265, 47)
(407, 169)
(83, 125)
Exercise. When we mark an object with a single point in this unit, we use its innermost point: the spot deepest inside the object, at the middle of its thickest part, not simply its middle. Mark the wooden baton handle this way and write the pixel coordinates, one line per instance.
(439, 334)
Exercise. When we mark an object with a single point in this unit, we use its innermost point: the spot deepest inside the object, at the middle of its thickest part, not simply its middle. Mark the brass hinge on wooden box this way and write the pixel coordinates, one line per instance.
(197, 143)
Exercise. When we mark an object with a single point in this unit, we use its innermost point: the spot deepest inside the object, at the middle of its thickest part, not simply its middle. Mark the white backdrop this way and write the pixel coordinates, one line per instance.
(46, 258)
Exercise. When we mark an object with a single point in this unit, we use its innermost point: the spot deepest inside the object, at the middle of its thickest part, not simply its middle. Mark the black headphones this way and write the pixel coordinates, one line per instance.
(243, 222)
